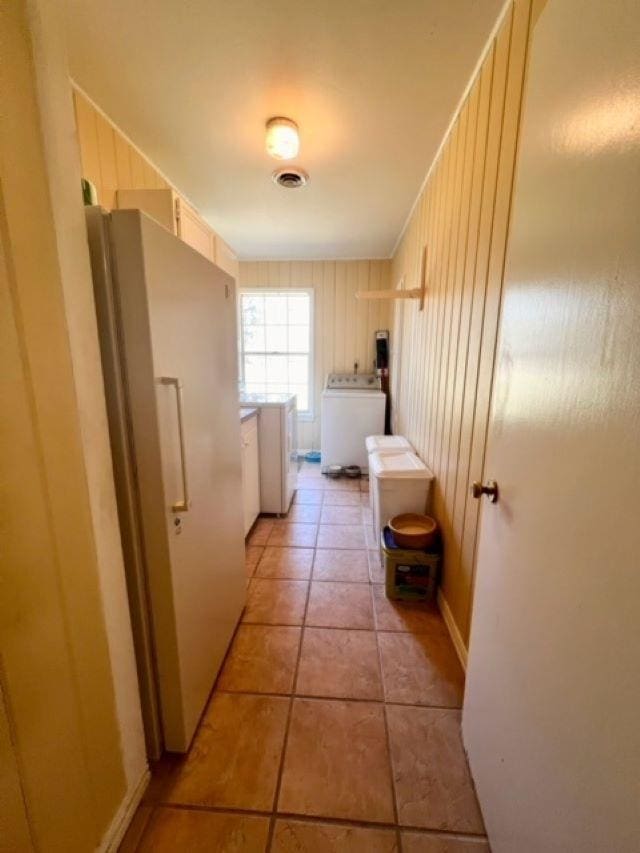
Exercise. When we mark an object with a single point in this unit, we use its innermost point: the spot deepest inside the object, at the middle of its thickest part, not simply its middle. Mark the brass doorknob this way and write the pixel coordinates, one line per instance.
(491, 490)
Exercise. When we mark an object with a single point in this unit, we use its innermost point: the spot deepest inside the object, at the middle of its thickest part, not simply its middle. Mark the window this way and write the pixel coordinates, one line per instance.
(275, 343)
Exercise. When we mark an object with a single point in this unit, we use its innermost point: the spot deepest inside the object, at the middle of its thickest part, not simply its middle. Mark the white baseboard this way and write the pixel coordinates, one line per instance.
(123, 817)
(456, 637)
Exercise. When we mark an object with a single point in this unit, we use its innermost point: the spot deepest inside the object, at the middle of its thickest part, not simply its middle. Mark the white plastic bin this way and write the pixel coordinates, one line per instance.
(384, 444)
(399, 482)
(387, 444)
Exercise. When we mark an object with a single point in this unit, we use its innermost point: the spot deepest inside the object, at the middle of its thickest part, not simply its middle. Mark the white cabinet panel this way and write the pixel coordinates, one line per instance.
(175, 214)
(225, 257)
(250, 471)
(193, 230)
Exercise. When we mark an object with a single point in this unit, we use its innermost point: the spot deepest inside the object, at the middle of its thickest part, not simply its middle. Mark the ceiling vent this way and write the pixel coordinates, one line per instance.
(291, 178)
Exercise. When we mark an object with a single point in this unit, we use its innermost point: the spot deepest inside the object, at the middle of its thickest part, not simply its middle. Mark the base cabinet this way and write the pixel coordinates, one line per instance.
(250, 471)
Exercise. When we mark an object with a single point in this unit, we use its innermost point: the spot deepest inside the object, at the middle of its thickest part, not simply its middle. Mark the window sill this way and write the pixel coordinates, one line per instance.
(306, 417)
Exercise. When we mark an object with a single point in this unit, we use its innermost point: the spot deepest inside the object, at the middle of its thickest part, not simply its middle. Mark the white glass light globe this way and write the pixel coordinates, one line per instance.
(282, 141)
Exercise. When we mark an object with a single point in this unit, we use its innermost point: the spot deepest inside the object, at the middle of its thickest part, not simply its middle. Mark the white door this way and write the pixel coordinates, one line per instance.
(552, 708)
(179, 322)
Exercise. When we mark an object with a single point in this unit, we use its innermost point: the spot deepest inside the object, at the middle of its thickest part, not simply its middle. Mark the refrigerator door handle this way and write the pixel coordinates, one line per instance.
(185, 503)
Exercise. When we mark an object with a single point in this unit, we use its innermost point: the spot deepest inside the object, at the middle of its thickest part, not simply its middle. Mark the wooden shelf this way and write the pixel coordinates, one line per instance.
(413, 293)
(410, 293)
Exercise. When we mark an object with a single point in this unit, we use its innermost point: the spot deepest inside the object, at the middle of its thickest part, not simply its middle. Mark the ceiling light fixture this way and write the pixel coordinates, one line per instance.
(283, 141)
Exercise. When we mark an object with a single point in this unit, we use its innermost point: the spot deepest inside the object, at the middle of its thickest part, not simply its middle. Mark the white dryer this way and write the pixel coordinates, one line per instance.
(353, 407)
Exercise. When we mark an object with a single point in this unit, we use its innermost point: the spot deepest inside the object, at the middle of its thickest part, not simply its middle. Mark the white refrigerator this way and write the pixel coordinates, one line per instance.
(167, 324)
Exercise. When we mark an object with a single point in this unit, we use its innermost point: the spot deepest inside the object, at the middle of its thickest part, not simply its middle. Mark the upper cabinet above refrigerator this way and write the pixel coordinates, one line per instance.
(171, 210)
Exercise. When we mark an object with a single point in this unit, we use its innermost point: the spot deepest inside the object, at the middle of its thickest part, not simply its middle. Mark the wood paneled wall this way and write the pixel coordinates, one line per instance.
(109, 160)
(441, 384)
(343, 325)
(442, 358)
(113, 163)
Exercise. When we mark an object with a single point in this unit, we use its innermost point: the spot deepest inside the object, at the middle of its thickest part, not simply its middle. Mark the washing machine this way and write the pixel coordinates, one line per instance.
(353, 406)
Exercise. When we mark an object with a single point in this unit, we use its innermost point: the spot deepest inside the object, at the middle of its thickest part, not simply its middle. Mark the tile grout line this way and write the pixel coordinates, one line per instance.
(319, 818)
(364, 523)
(276, 796)
(328, 698)
(387, 736)
(423, 633)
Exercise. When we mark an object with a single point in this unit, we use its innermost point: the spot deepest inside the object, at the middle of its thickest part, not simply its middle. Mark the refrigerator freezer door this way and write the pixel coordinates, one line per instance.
(178, 328)
(124, 473)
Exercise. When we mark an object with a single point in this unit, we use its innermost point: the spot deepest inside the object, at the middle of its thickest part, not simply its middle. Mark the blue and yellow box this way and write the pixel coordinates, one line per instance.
(410, 574)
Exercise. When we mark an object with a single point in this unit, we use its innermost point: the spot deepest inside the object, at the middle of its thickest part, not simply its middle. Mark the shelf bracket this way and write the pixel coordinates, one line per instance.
(410, 293)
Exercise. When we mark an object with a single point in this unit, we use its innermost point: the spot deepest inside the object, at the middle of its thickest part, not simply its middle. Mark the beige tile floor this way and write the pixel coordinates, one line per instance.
(335, 722)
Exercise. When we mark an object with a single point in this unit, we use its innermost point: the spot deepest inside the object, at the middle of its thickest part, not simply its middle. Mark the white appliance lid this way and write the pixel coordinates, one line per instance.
(387, 442)
(352, 394)
(402, 465)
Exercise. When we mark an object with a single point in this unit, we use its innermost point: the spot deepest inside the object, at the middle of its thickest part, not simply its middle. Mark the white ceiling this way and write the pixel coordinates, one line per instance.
(371, 83)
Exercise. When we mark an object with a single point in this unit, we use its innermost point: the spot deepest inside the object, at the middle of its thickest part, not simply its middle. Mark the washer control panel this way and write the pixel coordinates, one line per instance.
(354, 381)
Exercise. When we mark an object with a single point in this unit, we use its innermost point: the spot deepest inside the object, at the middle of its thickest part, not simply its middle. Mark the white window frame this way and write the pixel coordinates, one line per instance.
(309, 414)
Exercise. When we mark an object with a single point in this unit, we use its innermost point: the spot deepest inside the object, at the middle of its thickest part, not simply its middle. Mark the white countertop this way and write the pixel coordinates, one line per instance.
(267, 399)
(247, 412)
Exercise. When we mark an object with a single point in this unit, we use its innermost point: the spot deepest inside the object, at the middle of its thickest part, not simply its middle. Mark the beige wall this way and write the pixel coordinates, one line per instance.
(442, 381)
(109, 160)
(112, 162)
(15, 833)
(343, 325)
(68, 670)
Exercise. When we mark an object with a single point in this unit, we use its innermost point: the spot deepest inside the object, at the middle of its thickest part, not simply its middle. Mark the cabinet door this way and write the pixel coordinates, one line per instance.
(225, 258)
(250, 472)
(158, 204)
(193, 230)
(253, 471)
(245, 489)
